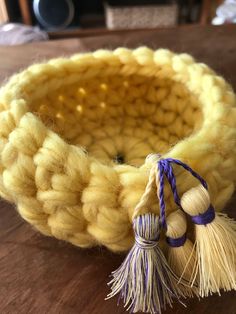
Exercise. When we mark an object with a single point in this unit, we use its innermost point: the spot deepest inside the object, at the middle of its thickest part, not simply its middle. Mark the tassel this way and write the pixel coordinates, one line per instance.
(215, 236)
(144, 280)
(181, 255)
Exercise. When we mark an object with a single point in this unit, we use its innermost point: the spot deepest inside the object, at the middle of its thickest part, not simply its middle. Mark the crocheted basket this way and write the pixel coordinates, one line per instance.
(75, 133)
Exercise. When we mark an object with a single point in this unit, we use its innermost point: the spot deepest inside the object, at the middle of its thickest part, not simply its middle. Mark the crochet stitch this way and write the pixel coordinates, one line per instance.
(66, 124)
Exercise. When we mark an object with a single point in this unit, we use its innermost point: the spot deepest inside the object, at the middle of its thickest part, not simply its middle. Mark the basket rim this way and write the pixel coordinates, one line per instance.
(183, 66)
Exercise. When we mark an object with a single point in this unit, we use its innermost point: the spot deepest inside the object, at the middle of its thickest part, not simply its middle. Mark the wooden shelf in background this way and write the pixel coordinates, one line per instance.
(82, 32)
(90, 32)
(79, 32)
(25, 12)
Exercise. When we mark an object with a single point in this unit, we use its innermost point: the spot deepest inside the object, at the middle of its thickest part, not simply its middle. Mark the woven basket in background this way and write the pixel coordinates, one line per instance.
(146, 16)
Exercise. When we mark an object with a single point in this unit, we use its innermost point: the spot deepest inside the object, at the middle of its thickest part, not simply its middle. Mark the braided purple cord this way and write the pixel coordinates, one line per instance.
(161, 196)
(168, 170)
(165, 169)
(189, 169)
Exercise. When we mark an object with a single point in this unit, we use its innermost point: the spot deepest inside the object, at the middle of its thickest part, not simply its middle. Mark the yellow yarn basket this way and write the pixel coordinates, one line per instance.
(75, 133)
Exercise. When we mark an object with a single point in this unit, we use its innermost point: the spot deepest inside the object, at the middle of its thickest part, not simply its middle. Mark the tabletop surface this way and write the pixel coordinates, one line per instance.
(43, 275)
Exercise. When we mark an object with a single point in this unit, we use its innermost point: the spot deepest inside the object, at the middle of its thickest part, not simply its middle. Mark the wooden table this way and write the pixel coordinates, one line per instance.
(44, 275)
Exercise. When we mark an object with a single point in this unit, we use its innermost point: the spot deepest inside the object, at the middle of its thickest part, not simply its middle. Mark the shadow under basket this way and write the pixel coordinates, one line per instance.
(75, 133)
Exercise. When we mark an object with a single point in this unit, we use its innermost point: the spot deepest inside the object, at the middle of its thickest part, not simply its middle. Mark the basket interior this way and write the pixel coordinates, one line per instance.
(121, 119)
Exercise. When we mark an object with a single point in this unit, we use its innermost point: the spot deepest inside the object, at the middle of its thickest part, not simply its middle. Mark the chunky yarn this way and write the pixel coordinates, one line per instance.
(75, 132)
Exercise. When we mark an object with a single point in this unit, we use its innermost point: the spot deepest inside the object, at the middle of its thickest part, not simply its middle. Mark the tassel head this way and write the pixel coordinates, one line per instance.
(147, 231)
(196, 201)
(144, 280)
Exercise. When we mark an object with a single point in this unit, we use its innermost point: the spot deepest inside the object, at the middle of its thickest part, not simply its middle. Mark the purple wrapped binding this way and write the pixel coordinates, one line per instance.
(176, 242)
(205, 218)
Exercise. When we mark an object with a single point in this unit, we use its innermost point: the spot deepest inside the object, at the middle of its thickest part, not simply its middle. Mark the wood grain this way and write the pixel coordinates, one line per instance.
(43, 275)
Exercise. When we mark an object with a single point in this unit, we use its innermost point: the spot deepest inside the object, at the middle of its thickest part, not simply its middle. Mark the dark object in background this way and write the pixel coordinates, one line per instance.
(61, 14)
(90, 17)
(55, 14)
(189, 11)
(12, 10)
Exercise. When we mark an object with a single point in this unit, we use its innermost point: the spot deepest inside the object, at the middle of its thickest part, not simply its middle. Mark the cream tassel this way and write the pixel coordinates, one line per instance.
(181, 254)
(215, 236)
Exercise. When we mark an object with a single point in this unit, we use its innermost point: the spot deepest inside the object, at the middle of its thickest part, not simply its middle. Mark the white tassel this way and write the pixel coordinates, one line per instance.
(144, 280)
(181, 254)
(215, 236)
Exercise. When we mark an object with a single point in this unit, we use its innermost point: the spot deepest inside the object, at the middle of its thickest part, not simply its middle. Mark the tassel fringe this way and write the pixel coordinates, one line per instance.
(181, 254)
(215, 244)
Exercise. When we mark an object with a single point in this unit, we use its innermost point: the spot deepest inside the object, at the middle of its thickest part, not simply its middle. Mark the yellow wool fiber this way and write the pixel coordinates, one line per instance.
(65, 123)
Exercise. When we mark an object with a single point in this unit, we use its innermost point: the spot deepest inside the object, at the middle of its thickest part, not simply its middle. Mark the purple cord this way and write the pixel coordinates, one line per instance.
(165, 169)
(186, 167)
(176, 242)
(161, 196)
(168, 170)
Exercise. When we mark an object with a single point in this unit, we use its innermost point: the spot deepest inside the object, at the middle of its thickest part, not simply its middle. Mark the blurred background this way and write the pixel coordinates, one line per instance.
(30, 20)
